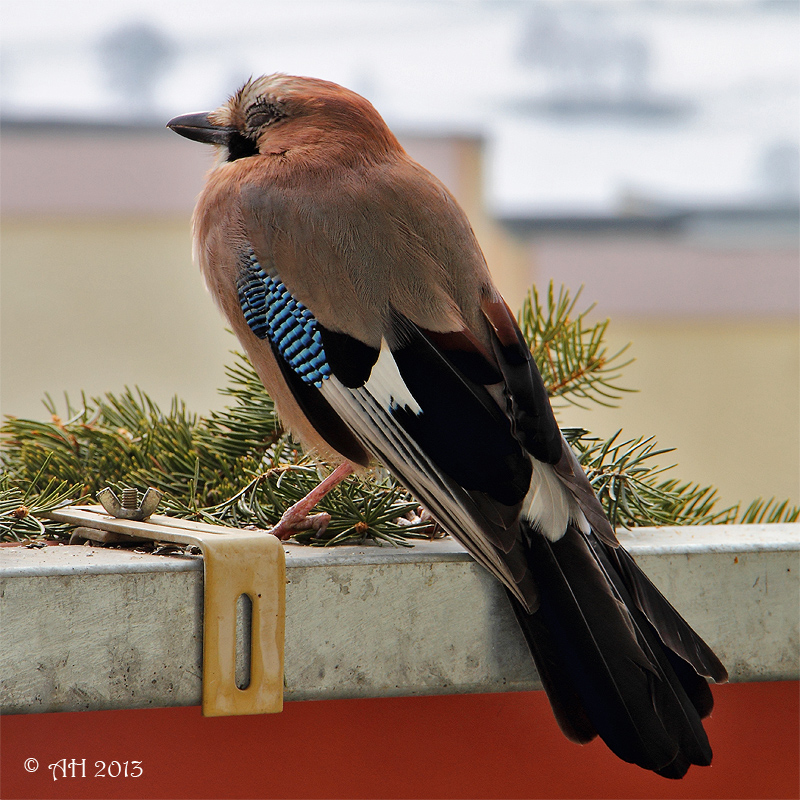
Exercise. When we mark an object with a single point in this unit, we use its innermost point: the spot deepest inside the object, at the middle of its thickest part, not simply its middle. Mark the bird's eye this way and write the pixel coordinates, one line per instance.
(262, 114)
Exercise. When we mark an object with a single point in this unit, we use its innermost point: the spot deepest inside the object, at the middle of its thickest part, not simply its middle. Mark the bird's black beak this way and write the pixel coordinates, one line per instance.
(199, 128)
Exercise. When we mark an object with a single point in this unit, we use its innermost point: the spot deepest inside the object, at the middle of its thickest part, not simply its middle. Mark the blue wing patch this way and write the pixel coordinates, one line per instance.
(272, 313)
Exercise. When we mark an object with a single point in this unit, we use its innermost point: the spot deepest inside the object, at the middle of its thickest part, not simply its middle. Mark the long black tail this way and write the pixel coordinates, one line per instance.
(615, 658)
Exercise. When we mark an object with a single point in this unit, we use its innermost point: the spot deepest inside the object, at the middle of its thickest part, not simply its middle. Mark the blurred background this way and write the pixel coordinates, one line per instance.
(646, 150)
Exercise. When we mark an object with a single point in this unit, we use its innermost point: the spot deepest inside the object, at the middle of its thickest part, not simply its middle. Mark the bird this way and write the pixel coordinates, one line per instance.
(358, 290)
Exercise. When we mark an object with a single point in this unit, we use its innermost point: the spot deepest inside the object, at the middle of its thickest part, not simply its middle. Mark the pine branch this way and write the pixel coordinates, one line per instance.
(630, 484)
(769, 512)
(21, 502)
(570, 352)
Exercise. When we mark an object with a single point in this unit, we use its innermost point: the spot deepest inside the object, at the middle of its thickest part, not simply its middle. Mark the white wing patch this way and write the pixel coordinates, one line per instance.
(549, 504)
(387, 386)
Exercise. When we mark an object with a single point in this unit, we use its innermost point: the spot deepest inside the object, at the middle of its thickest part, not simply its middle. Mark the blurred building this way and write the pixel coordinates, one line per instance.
(645, 151)
(99, 292)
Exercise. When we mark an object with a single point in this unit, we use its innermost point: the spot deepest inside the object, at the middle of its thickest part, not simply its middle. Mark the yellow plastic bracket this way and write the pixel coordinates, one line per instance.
(235, 562)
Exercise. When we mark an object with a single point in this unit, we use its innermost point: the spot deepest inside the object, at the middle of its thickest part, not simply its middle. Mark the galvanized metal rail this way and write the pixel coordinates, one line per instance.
(94, 628)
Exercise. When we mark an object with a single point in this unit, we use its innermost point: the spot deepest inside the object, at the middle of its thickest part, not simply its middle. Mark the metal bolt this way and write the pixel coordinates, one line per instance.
(130, 498)
(129, 508)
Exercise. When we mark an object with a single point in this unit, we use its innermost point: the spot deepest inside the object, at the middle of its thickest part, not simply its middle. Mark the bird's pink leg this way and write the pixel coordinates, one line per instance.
(296, 517)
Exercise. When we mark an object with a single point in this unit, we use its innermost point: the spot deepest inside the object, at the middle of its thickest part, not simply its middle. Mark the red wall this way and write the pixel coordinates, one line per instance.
(481, 746)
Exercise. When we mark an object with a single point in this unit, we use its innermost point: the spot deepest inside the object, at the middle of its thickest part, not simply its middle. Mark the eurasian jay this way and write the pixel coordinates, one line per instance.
(358, 290)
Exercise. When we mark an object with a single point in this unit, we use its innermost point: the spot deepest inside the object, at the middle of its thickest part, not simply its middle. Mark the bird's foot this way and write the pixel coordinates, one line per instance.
(296, 518)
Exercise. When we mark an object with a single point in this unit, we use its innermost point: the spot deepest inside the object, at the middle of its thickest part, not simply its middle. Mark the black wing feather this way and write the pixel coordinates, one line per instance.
(350, 360)
(528, 402)
(469, 439)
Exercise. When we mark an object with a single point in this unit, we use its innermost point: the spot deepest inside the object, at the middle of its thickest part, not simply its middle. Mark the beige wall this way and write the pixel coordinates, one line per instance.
(100, 304)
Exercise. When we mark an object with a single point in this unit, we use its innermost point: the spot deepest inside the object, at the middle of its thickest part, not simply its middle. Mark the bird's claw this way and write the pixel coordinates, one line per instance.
(293, 522)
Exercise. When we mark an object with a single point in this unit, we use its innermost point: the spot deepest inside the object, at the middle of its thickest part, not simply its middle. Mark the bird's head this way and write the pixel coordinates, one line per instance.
(276, 114)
